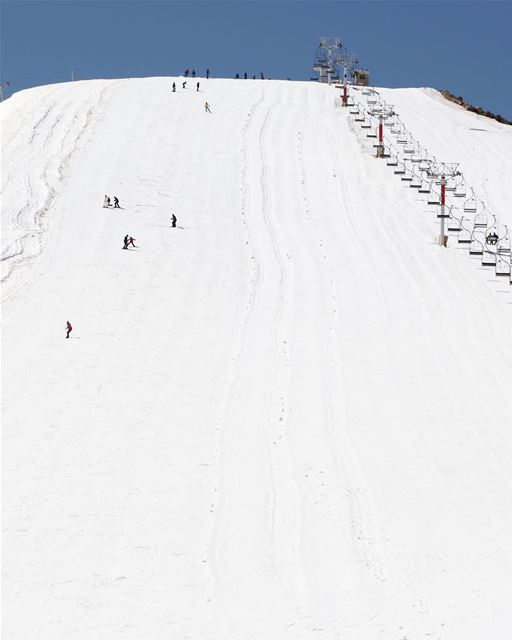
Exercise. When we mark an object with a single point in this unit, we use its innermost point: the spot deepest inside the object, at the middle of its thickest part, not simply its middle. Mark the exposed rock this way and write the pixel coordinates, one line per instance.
(469, 107)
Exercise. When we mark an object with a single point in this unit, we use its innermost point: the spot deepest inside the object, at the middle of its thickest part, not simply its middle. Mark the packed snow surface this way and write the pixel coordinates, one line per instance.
(288, 418)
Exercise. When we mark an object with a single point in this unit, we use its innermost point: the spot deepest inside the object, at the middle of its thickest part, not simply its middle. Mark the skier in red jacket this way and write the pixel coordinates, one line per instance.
(69, 328)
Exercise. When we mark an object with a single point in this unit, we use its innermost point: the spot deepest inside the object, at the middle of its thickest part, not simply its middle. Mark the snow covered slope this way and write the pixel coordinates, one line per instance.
(290, 417)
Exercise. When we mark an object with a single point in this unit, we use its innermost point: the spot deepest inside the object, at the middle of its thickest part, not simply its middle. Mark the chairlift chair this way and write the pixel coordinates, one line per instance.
(400, 169)
(434, 198)
(450, 185)
(425, 187)
(460, 189)
(489, 258)
(464, 234)
(392, 161)
(492, 235)
(476, 247)
(470, 204)
(454, 223)
(416, 182)
(504, 242)
(480, 221)
(502, 267)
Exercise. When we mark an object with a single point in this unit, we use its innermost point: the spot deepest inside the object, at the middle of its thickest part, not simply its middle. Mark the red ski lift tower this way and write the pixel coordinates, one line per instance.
(442, 172)
(347, 61)
(382, 111)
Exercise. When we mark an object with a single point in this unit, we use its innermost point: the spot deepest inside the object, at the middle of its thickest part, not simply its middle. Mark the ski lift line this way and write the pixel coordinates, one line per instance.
(410, 151)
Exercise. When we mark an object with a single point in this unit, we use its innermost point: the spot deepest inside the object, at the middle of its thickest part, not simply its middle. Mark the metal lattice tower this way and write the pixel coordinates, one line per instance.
(325, 59)
(443, 171)
(331, 56)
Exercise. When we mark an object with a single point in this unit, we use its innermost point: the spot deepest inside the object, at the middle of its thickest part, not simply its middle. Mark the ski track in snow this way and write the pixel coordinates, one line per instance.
(287, 418)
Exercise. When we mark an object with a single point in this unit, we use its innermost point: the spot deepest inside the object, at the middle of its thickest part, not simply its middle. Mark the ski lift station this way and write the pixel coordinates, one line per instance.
(333, 63)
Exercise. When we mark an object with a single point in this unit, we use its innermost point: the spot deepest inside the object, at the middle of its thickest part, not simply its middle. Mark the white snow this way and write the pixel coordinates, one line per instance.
(289, 418)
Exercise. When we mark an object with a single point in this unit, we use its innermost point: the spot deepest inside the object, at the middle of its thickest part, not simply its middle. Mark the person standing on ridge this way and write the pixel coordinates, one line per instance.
(207, 107)
(207, 73)
(174, 220)
(69, 328)
(116, 203)
(193, 73)
(245, 75)
(186, 73)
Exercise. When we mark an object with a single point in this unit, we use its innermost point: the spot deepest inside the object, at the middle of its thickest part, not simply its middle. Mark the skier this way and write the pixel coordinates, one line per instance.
(69, 328)
(237, 76)
(174, 86)
(245, 75)
(132, 242)
(207, 73)
(197, 86)
(193, 73)
(185, 84)
(106, 202)
(174, 220)
(186, 73)
(116, 203)
(262, 76)
(125, 241)
(207, 107)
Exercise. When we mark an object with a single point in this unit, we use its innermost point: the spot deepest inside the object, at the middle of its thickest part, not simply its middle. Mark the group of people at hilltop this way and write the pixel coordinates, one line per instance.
(237, 76)
(192, 73)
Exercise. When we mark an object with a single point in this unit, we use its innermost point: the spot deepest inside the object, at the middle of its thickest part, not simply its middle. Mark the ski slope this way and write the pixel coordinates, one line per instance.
(288, 418)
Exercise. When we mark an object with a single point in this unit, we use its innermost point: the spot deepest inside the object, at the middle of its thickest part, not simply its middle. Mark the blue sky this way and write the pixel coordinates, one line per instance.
(465, 47)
